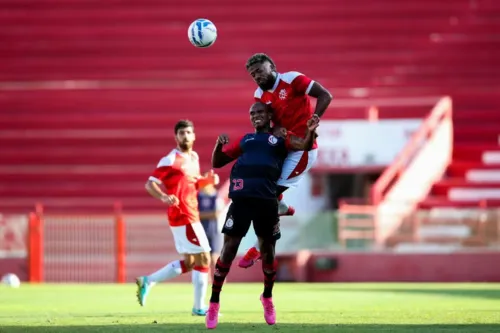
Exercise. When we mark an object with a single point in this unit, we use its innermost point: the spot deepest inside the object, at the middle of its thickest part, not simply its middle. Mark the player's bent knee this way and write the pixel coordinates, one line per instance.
(189, 261)
(202, 259)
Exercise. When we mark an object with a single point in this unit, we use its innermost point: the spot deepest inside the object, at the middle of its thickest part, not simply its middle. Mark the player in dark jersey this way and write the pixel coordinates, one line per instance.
(253, 190)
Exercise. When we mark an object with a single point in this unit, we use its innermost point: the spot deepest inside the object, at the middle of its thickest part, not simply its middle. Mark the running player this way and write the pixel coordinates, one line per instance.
(253, 190)
(288, 94)
(179, 173)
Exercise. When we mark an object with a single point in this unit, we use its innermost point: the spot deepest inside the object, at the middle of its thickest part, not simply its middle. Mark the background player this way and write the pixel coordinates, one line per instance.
(253, 190)
(288, 95)
(179, 173)
(210, 206)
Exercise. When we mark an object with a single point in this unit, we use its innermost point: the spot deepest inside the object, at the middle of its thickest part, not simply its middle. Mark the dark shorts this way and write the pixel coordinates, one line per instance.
(215, 237)
(262, 212)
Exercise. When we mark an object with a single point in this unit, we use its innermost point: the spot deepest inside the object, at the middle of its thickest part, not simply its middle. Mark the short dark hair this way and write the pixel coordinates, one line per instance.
(181, 124)
(267, 107)
(260, 58)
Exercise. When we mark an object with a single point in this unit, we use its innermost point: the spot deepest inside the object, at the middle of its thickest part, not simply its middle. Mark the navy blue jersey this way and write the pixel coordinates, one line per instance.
(207, 202)
(258, 167)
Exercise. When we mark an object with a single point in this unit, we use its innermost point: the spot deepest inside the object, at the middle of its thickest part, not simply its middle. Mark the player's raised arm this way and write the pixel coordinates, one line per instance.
(224, 155)
(294, 142)
(304, 85)
(323, 97)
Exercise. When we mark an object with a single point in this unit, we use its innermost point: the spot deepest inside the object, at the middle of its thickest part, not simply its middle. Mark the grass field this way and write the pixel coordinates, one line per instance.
(301, 308)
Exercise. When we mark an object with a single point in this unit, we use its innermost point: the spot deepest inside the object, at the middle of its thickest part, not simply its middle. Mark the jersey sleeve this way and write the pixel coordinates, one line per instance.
(302, 84)
(233, 149)
(257, 96)
(163, 169)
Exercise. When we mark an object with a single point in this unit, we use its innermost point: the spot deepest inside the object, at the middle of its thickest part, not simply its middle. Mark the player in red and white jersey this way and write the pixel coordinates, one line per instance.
(289, 95)
(179, 174)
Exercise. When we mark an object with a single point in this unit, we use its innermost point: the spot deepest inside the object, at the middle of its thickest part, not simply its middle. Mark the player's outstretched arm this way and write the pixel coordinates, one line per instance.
(297, 143)
(323, 97)
(220, 156)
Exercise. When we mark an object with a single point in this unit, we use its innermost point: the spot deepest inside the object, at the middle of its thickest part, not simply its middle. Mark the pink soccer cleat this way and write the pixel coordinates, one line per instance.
(212, 316)
(289, 212)
(250, 258)
(269, 311)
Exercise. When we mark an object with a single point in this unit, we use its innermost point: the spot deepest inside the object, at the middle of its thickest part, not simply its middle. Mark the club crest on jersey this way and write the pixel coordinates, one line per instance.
(272, 140)
(229, 223)
(283, 94)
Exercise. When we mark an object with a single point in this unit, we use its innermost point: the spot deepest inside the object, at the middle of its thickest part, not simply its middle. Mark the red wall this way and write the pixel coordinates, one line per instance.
(385, 267)
(17, 266)
(355, 267)
(454, 267)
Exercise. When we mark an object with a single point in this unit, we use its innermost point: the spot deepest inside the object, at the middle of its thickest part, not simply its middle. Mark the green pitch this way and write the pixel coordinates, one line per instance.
(301, 308)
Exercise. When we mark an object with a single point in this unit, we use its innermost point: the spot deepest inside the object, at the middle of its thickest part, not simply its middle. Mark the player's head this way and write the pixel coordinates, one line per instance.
(260, 116)
(184, 134)
(262, 69)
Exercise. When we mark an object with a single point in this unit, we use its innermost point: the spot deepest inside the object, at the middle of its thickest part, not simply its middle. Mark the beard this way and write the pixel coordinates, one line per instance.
(185, 145)
(268, 85)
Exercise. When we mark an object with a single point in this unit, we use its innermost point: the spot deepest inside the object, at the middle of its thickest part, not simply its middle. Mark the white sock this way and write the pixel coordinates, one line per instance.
(256, 245)
(200, 284)
(173, 269)
(282, 207)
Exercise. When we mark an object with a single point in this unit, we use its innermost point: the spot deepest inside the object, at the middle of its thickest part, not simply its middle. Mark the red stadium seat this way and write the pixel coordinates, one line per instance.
(90, 90)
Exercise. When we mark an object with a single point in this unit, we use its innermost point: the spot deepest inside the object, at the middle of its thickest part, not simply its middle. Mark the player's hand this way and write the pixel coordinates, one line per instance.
(280, 132)
(212, 178)
(170, 200)
(223, 139)
(313, 123)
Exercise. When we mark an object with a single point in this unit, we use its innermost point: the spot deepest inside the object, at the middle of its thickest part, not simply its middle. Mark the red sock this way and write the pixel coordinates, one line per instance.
(183, 267)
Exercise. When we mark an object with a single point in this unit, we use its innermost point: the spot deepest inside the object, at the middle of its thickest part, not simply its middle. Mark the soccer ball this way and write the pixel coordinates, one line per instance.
(202, 33)
(11, 280)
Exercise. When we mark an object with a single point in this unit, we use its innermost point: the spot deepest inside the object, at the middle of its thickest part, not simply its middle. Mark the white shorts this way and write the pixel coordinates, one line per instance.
(190, 239)
(296, 166)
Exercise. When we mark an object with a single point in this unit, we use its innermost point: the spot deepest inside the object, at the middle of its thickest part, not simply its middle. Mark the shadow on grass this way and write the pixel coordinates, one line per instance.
(463, 292)
(241, 328)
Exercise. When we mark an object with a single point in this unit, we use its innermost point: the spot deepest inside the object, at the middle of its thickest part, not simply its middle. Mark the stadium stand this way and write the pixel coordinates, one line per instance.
(89, 90)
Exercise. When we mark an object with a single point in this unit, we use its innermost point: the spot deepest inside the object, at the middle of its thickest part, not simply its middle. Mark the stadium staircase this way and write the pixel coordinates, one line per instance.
(90, 89)
(462, 208)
